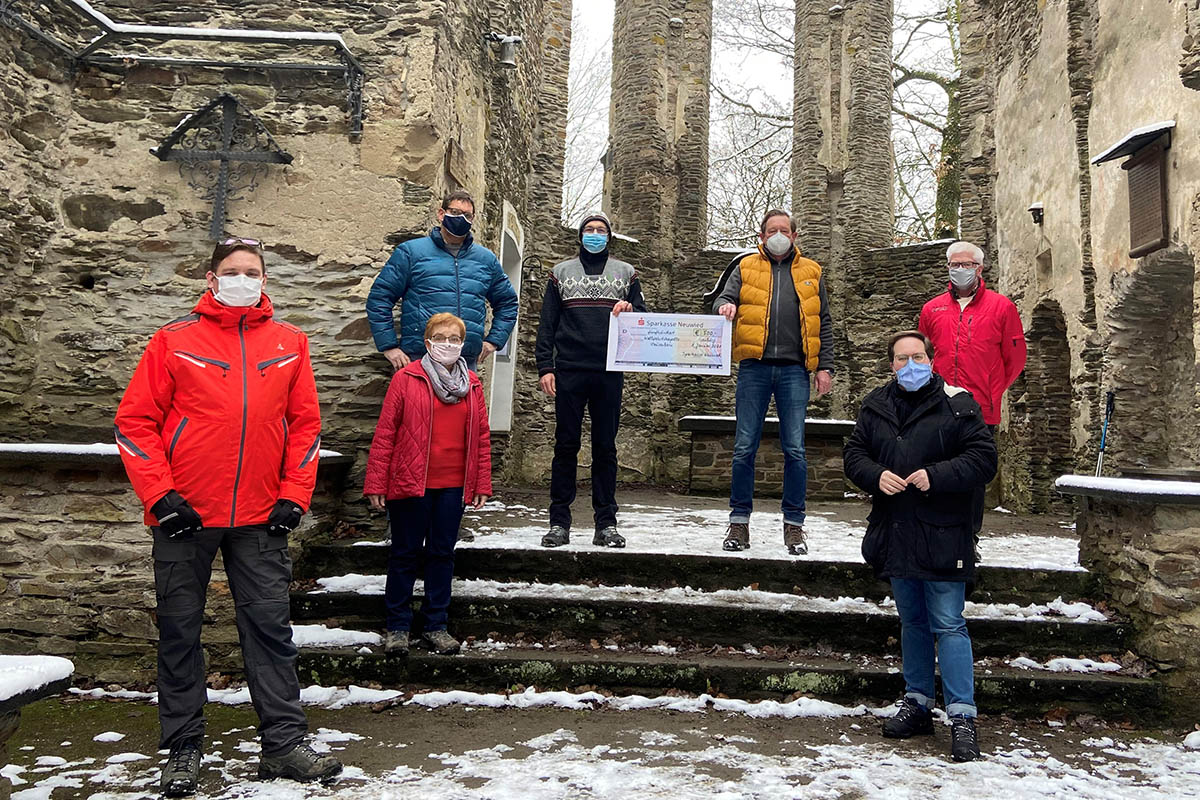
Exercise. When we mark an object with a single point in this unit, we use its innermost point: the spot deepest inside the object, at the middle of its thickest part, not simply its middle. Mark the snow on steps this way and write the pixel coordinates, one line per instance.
(485, 608)
(1013, 691)
(700, 571)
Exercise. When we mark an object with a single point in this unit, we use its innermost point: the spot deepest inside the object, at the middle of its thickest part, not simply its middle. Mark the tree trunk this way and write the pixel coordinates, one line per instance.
(949, 179)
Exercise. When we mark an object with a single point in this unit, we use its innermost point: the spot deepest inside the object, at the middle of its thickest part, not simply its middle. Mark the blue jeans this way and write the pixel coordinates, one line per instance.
(756, 382)
(424, 532)
(932, 610)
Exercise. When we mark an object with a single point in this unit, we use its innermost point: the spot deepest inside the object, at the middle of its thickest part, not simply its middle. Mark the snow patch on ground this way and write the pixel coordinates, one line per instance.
(108, 736)
(707, 765)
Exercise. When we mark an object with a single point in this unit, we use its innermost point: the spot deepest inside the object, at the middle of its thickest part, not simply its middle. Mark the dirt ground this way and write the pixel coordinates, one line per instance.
(411, 740)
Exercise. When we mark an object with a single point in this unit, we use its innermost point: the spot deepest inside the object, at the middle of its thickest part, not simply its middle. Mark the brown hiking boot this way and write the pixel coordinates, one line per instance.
(441, 642)
(793, 539)
(737, 537)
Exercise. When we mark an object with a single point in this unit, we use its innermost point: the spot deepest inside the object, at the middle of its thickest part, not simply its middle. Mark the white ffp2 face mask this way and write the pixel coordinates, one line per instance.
(778, 244)
(238, 290)
(444, 353)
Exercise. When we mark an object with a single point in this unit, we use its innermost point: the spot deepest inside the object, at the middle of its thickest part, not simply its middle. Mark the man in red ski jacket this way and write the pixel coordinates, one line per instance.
(219, 432)
(977, 337)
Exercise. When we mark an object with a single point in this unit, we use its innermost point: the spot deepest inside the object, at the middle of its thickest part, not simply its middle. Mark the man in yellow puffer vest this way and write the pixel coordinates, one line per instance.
(782, 336)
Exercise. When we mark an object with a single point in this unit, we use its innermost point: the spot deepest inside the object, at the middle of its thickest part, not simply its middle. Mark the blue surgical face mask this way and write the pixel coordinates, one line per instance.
(914, 375)
(456, 224)
(595, 242)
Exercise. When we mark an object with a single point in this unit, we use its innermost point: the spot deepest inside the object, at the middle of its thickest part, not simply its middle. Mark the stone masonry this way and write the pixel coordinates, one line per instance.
(841, 150)
(712, 458)
(1146, 554)
(101, 243)
(78, 575)
(659, 124)
(1045, 88)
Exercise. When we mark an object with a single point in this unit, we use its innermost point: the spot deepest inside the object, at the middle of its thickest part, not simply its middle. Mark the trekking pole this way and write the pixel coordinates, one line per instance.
(1109, 404)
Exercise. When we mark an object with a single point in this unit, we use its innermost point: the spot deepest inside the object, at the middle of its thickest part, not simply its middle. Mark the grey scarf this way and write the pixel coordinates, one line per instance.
(449, 384)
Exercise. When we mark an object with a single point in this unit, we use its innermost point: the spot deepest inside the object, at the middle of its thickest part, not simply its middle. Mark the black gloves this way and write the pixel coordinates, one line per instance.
(285, 516)
(176, 517)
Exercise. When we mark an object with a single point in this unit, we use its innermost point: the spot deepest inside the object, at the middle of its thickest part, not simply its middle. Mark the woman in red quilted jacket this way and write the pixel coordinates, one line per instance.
(431, 456)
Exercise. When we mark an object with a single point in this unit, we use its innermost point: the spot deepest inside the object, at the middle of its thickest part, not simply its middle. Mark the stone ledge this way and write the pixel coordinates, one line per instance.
(18, 701)
(1131, 490)
(105, 455)
(726, 425)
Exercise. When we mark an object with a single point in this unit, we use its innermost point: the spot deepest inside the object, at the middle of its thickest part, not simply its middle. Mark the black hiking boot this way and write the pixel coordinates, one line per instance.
(964, 739)
(557, 537)
(608, 537)
(911, 720)
(737, 537)
(301, 763)
(182, 770)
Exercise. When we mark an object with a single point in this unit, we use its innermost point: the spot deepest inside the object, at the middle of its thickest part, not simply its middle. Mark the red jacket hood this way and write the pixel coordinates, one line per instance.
(228, 316)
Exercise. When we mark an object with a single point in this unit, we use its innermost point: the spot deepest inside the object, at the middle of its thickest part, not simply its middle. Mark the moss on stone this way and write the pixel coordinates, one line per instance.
(808, 682)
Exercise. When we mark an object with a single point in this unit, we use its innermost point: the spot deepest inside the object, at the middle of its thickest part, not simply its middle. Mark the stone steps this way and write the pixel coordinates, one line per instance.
(875, 682)
(574, 615)
(706, 572)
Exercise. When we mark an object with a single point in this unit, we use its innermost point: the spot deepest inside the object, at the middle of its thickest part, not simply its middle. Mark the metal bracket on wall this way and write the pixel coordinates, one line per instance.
(226, 134)
(132, 42)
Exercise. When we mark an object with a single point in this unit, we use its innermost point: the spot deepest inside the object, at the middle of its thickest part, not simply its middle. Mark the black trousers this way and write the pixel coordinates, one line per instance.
(259, 571)
(980, 496)
(600, 393)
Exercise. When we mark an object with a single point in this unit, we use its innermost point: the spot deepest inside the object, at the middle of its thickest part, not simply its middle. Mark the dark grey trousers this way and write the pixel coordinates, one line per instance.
(259, 571)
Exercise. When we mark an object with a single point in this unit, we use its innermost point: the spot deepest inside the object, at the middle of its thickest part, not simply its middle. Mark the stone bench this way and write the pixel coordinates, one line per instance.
(712, 456)
(24, 680)
(1141, 538)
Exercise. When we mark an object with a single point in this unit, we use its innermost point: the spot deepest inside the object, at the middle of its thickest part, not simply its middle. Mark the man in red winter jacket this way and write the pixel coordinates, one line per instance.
(220, 432)
(978, 340)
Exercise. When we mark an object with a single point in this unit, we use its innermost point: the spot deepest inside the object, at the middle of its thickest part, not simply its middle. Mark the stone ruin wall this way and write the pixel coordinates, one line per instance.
(1045, 89)
(103, 243)
(842, 162)
(100, 244)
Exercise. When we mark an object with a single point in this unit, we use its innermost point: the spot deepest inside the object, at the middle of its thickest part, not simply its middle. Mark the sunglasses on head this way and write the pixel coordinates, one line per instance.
(239, 240)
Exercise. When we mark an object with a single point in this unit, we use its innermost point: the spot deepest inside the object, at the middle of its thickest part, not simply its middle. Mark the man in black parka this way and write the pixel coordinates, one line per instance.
(921, 449)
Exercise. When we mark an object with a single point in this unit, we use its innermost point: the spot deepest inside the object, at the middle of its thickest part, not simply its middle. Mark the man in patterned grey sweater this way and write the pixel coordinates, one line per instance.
(572, 345)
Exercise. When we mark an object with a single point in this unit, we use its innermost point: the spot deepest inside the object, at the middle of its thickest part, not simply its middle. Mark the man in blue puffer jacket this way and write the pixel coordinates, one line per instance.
(445, 271)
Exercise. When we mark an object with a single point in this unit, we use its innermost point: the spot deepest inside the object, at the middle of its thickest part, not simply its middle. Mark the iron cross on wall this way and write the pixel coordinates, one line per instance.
(226, 134)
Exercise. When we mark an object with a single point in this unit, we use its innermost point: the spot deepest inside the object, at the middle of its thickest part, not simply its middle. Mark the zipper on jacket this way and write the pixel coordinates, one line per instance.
(202, 362)
(770, 294)
(283, 458)
(175, 439)
(429, 438)
(237, 476)
(470, 427)
(457, 287)
(775, 296)
(957, 337)
(278, 360)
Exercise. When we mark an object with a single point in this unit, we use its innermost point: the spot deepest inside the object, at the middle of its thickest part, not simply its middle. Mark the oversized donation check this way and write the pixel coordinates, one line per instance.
(696, 344)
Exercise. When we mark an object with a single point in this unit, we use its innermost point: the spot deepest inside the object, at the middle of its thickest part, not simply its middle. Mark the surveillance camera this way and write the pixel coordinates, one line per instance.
(1036, 211)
